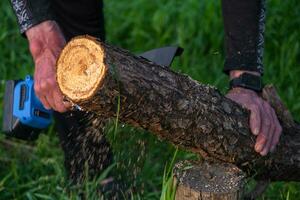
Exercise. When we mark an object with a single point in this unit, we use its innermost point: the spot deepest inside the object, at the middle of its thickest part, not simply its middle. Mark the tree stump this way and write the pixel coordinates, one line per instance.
(208, 181)
(112, 82)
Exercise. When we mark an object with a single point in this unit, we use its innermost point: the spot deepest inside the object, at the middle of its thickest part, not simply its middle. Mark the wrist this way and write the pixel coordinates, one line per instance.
(246, 79)
(237, 73)
(39, 31)
(45, 35)
(241, 90)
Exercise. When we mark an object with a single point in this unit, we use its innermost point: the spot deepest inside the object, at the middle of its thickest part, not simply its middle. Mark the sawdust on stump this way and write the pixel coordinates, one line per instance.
(208, 180)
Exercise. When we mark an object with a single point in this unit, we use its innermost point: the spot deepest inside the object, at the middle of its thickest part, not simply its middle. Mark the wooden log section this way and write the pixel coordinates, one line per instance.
(112, 82)
(208, 181)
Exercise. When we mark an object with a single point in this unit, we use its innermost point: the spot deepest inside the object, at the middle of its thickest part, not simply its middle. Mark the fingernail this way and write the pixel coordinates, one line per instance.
(258, 147)
(263, 153)
(255, 132)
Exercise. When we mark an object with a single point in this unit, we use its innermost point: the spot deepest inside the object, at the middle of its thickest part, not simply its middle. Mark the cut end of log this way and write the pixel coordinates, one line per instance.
(80, 68)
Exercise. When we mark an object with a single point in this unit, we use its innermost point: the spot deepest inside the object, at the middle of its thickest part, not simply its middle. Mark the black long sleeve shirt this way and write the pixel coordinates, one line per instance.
(243, 24)
(75, 17)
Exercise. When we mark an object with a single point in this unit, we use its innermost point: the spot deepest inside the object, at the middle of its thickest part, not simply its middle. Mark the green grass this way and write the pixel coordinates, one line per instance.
(35, 170)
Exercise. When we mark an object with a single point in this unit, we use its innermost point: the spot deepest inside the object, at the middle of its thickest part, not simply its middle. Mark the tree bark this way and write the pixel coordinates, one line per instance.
(112, 82)
(208, 181)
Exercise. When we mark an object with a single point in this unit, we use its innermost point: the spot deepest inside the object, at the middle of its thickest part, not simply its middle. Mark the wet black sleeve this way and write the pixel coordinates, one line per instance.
(75, 17)
(79, 17)
(31, 12)
(244, 24)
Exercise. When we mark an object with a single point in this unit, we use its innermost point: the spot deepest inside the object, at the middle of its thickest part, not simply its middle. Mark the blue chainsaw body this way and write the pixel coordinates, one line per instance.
(28, 108)
(24, 115)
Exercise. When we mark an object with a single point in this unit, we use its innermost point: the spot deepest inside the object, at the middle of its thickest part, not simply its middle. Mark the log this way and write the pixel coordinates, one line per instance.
(112, 82)
(208, 181)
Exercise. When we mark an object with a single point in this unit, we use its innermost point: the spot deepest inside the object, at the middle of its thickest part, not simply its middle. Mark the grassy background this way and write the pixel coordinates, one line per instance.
(35, 170)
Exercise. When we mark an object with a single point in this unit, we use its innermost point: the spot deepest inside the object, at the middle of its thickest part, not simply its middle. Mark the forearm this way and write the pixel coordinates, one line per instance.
(244, 29)
(46, 36)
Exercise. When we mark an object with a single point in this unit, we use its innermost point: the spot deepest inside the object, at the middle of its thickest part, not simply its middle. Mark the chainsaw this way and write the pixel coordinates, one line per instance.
(24, 116)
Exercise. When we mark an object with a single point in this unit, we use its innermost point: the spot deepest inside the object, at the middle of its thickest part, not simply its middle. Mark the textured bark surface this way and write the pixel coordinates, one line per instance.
(208, 181)
(191, 115)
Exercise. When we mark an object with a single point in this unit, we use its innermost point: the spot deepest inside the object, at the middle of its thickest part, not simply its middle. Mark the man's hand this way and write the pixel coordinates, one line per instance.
(263, 120)
(45, 43)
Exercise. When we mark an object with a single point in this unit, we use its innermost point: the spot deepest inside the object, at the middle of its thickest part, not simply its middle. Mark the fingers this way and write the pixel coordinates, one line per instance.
(255, 119)
(45, 92)
(277, 133)
(262, 137)
(48, 93)
(262, 133)
(271, 129)
(39, 94)
(54, 100)
(45, 102)
(47, 88)
(60, 106)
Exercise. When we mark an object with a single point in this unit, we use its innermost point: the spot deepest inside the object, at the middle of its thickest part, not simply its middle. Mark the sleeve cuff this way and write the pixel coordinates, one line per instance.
(31, 12)
(32, 22)
(245, 62)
